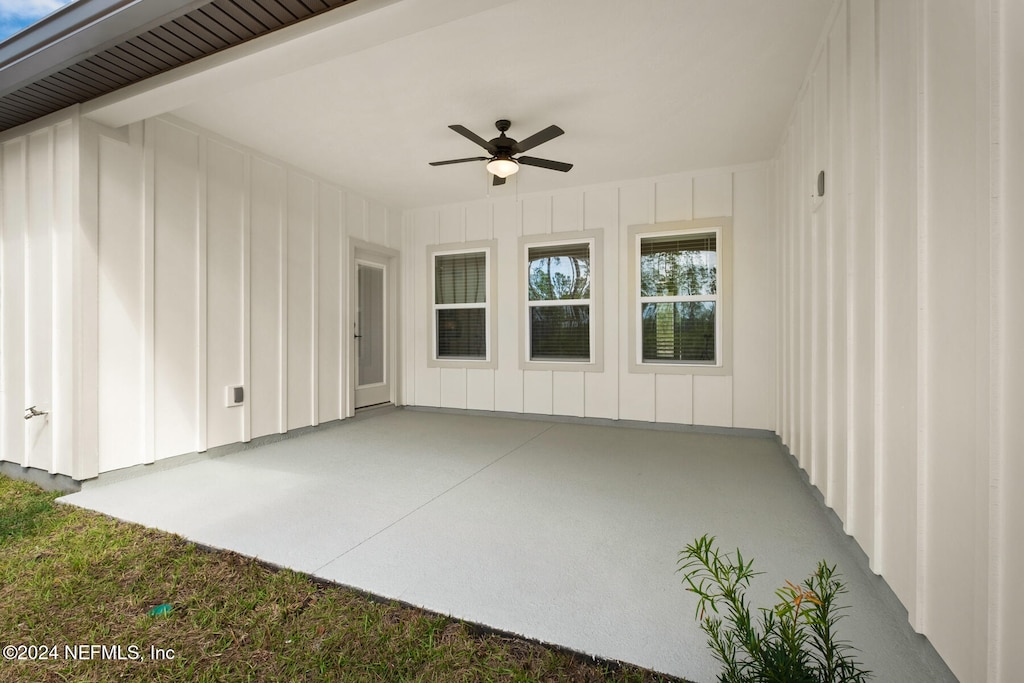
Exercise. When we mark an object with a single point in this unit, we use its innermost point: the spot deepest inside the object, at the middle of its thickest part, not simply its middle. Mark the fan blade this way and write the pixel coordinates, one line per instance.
(543, 136)
(498, 181)
(456, 161)
(467, 133)
(545, 163)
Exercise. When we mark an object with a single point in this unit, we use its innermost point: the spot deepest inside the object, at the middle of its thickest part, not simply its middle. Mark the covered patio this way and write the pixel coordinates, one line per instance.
(564, 531)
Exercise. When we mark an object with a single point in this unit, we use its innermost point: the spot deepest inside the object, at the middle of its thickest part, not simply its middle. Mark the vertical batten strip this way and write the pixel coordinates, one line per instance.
(996, 604)
(314, 274)
(919, 612)
(793, 235)
(57, 388)
(202, 298)
(81, 259)
(836, 184)
(849, 275)
(282, 302)
(520, 220)
(819, 225)
(988, 296)
(829, 202)
(247, 297)
(409, 305)
(149, 285)
(5, 311)
(346, 390)
(777, 254)
(877, 307)
(805, 226)
(786, 287)
(66, 360)
(799, 335)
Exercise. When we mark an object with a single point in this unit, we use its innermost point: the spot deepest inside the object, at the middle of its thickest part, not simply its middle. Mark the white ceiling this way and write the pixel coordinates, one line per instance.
(642, 88)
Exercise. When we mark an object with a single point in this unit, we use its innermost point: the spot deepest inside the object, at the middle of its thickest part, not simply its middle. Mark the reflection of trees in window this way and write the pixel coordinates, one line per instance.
(678, 295)
(558, 274)
(678, 332)
(678, 266)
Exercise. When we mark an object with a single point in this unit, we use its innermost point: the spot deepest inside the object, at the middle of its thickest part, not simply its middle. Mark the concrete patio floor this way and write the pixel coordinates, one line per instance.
(563, 532)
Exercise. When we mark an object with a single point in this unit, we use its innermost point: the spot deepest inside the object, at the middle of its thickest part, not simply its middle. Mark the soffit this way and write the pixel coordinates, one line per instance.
(184, 35)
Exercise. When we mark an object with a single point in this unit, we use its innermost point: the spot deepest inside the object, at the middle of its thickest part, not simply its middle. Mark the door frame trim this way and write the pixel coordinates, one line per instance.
(361, 250)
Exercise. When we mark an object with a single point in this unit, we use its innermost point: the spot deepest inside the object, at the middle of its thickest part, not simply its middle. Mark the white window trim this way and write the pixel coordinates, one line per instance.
(722, 226)
(596, 362)
(490, 360)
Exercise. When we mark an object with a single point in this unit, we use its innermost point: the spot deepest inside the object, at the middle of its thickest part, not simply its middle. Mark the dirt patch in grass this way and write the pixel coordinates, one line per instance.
(72, 579)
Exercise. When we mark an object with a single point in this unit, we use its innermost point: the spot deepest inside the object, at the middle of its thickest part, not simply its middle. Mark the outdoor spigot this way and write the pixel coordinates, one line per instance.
(33, 412)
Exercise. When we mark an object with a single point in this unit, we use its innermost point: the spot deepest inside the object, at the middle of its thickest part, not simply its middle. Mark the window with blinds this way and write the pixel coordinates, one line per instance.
(460, 305)
(559, 302)
(679, 298)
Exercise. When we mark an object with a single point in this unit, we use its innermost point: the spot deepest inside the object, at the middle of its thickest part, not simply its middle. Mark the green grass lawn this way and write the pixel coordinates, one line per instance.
(73, 578)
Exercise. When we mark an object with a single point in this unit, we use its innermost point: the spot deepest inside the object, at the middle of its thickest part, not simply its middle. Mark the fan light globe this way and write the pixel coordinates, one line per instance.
(502, 168)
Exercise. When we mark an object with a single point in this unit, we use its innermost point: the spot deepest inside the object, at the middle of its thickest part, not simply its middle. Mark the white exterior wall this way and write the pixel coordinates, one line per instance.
(40, 301)
(743, 399)
(146, 269)
(900, 392)
(217, 266)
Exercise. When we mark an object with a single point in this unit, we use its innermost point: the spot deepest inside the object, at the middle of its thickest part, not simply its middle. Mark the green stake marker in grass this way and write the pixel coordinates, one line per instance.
(160, 610)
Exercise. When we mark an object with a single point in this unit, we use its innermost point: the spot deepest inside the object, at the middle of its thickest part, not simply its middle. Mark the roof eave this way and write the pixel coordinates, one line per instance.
(77, 31)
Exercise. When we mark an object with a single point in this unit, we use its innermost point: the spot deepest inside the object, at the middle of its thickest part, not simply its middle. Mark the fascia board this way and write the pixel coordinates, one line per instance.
(78, 31)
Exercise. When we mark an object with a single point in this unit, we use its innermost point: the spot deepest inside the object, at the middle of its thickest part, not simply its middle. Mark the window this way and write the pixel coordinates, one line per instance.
(678, 315)
(560, 302)
(461, 302)
(678, 298)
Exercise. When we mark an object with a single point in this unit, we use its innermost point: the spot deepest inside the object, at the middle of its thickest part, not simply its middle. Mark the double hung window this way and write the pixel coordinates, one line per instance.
(679, 298)
(559, 302)
(560, 313)
(461, 305)
(680, 293)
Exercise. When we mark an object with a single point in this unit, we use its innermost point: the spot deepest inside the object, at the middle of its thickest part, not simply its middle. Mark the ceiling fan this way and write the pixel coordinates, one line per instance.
(502, 163)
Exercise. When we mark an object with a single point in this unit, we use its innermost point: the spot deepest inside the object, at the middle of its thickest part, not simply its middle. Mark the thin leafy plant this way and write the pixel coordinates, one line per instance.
(793, 642)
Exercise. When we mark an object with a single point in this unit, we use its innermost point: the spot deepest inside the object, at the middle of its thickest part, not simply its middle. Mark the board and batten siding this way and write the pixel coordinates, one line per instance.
(901, 324)
(743, 399)
(217, 266)
(38, 297)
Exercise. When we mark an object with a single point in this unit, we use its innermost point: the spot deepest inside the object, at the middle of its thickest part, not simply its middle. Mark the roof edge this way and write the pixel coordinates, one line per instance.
(77, 31)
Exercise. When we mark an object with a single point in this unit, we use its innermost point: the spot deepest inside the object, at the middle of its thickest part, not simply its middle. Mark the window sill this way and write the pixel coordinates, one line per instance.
(468, 363)
(679, 369)
(562, 366)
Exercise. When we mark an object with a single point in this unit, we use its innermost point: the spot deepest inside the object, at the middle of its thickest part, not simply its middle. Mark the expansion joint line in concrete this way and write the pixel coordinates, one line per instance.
(439, 495)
